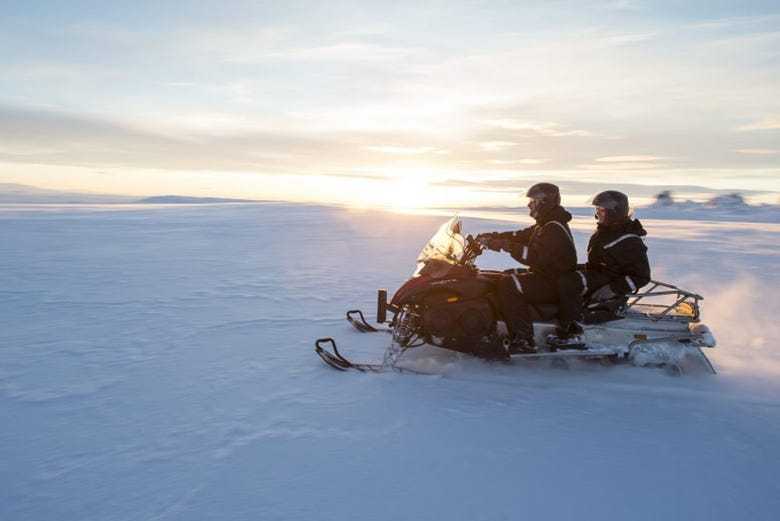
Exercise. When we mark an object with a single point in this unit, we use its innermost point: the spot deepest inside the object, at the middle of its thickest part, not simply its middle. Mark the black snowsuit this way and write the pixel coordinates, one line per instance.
(547, 248)
(617, 256)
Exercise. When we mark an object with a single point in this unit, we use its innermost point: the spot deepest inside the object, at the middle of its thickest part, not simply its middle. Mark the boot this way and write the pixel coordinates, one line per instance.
(519, 345)
(573, 337)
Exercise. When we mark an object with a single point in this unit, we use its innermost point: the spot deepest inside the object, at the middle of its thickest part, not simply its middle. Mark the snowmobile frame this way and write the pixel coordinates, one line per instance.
(447, 303)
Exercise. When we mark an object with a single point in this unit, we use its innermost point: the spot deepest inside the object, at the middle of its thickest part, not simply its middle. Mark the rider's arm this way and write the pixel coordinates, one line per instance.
(632, 270)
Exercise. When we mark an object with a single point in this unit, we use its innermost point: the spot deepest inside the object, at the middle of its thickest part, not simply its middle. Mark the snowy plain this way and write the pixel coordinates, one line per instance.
(157, 363)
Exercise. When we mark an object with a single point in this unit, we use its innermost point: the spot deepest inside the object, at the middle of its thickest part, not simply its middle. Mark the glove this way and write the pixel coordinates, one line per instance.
(492, 241)
(474, 245)
(482, 238)
(603, 293)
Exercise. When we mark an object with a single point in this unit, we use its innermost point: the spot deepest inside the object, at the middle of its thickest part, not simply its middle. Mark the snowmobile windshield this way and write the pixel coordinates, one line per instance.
(444, 250)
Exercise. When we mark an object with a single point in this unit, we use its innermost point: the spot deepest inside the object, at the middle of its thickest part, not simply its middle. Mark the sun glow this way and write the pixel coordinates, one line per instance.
(406, 194)
(413, 188)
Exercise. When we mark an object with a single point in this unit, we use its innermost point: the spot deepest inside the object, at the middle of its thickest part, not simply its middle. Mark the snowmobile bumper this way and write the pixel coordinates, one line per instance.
(702, 335)
(382, 306)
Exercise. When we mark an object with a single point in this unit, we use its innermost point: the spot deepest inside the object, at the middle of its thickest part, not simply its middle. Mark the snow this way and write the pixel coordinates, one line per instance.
(157, 363)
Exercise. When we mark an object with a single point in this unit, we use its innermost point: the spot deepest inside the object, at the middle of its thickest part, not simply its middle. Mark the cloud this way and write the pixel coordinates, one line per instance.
(764, 124)
(291, 44)
(12, 147)
(627, 159)
(624, 39)
(347, 52)
(99, 143)
(517, 161)
(769, 20)
(619, 166)
(546, 129)
(55, 71)
(400, 150)
(624, 5)
(495, 146)
(757, 151)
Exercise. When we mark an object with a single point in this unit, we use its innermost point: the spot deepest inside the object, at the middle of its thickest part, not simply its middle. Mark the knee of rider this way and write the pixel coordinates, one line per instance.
(570, 280)
(509, 284)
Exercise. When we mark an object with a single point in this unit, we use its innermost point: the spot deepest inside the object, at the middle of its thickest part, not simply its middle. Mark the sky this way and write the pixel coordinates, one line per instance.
(401, 103)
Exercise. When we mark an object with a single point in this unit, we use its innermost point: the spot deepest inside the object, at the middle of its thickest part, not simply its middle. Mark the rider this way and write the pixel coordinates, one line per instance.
(547, 248)
(617, 265)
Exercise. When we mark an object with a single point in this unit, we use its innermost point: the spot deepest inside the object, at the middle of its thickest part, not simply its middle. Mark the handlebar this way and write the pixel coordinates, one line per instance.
(473, 248)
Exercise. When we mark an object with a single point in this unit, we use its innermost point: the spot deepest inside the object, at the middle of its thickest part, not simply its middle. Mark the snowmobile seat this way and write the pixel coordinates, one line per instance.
(600, 311)
(594, 313)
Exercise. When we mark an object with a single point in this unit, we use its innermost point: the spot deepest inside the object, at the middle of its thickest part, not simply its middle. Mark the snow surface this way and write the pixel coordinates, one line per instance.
(157, 363)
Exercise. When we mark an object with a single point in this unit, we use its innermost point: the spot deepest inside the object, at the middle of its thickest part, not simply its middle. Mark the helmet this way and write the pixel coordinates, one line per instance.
(544, 197)
(615, 205)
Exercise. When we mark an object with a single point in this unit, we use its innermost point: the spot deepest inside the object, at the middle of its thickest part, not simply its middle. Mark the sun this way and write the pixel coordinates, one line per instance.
(406, 194)
(414, 188)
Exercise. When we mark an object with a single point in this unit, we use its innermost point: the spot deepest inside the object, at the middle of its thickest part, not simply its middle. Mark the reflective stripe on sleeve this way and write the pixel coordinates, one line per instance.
(621, 238)
(519, 286)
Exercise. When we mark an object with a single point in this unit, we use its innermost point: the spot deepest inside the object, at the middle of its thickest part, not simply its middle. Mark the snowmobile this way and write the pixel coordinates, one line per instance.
(450, 303)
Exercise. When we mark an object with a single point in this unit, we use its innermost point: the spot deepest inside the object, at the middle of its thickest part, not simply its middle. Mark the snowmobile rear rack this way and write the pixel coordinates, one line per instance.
(683, 308)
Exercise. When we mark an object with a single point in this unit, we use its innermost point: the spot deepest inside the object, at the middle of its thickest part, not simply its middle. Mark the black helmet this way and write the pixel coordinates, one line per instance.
(546, 197)
(616, 204)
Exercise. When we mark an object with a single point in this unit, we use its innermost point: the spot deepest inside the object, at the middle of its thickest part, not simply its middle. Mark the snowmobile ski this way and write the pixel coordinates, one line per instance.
(360, 323)
(337, 360)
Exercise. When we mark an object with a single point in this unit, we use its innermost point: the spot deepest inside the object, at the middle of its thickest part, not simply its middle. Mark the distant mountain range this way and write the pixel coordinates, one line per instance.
(11, 193)
(24, 194)
(182, 199)
(727, 206)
